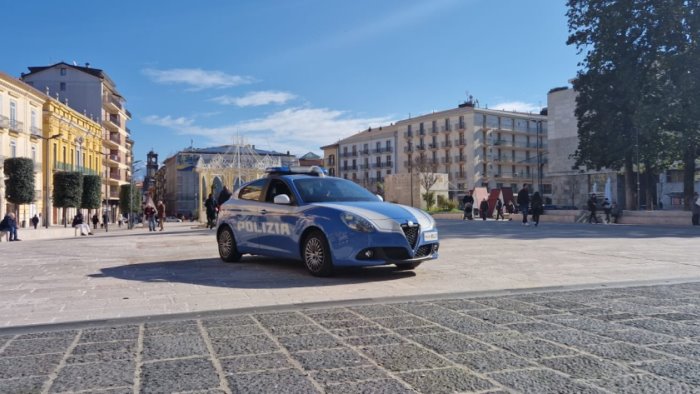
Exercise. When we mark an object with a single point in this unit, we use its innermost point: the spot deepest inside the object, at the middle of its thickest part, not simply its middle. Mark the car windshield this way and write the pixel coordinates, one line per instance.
(331, 189)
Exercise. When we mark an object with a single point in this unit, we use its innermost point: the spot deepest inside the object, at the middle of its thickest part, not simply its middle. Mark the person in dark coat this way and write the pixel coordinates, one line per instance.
(468, 205)
(9, 224)
(499, 209)
(592, 208)
(524, 202)
(695, 219)
(210, 206)
(537, 208)
(484, 209)
(224, 195)
(35, 221)
(95, 220)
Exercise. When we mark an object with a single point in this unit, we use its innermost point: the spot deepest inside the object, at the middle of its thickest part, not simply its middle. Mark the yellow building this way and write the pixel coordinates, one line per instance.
(72, 142)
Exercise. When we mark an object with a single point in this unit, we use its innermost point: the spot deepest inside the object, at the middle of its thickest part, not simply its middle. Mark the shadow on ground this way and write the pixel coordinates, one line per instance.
(253, 272)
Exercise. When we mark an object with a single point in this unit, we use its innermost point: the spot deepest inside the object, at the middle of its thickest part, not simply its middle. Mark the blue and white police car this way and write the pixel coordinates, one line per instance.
(327, 222)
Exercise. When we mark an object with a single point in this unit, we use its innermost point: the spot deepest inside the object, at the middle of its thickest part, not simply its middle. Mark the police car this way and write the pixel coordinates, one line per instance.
(327, 222)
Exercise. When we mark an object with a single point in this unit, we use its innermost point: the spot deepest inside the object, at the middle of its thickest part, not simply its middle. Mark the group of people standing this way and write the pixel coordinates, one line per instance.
(526, 205)
(212, 206)
(150, 213)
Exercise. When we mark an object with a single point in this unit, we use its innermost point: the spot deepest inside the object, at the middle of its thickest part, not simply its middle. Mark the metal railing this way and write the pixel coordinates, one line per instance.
(4, 122)
(16, 126)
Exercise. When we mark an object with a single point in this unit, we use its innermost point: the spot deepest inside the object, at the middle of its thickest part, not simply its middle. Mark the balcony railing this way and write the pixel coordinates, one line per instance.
(433, 146)
(460, 159)
(460, 142)
(408, 149)
(16, 126)
(445, 160)
(114, 100)
(4, 122)
(420, 147)
(35, 131)
(115, 175)
(114, 157)
(408, 134)
(446, 144)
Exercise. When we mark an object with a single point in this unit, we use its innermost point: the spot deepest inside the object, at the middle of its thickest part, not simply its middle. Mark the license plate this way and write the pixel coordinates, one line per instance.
(431, 236)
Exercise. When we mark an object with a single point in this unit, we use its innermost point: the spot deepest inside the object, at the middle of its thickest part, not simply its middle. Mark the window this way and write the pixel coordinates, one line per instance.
(252, 191)
(276, 188)
(388, 145)
(33, 118)
(378, 147)
(34, 153)
(521, 125)
(492, 121)
(13, 148)
(62, 87)
(13, 112)
(388, 160)
(63, 71)
(507, 123)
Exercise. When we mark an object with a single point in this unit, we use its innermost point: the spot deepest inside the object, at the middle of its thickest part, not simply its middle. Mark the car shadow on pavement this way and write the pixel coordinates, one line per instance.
(253, 272)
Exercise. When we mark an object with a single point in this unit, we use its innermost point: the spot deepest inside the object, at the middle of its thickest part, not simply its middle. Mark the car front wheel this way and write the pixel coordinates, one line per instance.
(316, 254)
(227, 246)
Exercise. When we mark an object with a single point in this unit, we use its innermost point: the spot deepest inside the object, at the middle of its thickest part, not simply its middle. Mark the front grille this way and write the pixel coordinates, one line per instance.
(396, 253)
(424, 250)
(411, 233)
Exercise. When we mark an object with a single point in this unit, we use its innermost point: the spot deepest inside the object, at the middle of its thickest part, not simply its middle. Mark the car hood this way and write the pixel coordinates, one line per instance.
(385, 215)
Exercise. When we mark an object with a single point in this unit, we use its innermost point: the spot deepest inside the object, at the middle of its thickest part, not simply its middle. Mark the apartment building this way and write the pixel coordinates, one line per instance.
(92, 93)
(367, 157)
(21, 136)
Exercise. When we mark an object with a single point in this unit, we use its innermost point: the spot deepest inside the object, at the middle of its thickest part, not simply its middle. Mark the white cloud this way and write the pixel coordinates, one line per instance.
(255, 99)
(197, 78)
(298, 130)
(517, 106)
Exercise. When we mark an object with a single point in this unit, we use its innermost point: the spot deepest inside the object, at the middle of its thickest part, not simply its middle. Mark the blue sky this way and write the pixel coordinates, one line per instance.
(293, 75)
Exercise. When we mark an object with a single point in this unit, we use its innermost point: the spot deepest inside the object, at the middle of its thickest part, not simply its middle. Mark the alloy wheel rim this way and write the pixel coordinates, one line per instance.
(225, 243)
(313, 254)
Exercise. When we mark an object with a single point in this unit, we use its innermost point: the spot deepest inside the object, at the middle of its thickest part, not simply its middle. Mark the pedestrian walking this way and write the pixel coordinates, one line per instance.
(467, 205)
(224, 195)
(95, 220)
(615, 212)
(592, 208)
(105, 220)
(510, 209)
(484, 209)
(35, 221)
(696, 210)
(150, 213)
(524, 203)
(161, 213)
(607, 209)
(537, 208)
(211, 207)
(499, 209)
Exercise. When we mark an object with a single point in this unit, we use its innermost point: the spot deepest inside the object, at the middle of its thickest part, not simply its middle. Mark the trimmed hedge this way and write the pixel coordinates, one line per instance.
(19, 185)
(67, 189)
(92, 185)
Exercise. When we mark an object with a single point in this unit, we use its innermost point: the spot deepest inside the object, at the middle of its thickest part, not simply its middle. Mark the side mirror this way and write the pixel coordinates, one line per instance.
(380, 198)
(282, 199)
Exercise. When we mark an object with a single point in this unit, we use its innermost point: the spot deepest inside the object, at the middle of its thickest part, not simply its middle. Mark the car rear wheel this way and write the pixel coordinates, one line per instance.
(407, 266)
(317, 255)
(227, 246)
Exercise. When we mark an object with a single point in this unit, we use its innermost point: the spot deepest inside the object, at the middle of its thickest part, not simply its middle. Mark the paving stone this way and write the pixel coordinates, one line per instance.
(76, 377)
(295, 330)
(309, 342)
(283, 319)
(373, 311)
(582, 323)
(227, 321)
(385, 386)
(675, 316)
(237, 346)
(20, 367)
(445, 381)
(27, 347)
(329, 359)
(491, 361)
(340, 324)
(499, 337)
(360, 331)
(640, 337)
(273, 382)
(460, 305)
(585, 367)
(539, 312)
(29, 385)
(404, 357)
(467, 325)
(186, 327)
(401, 322)
(665, 327)
(178, 375)
(507, 304)
(543, 382)
(173, 346)
(616, 316)
(348, 374)
(331, 314)
(255, 362)
(679, 370)
(411, 331)
(375, 340)
(498, 316)
(644, 384)
(536, 348)
(128, 346)
(662, 302)
(534, 327)
(621, 306)
(102, 357)
(621, 351)
(62, 334)
(553, 303)
(118, 333)
(235, 331)
(687, 350)
(571, 337)
(449, 343)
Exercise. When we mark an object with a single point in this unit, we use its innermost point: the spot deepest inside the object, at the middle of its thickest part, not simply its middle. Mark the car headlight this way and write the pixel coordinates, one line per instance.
(356, 223)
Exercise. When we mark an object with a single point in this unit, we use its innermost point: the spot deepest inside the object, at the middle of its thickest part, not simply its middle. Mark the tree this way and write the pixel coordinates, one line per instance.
(92, 185)
(127, 192)
(19, 185)
(67, 191)
(427, 177)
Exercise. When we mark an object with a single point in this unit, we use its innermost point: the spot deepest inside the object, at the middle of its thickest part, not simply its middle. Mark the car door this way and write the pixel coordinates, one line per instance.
(244, 216)
(279, 221)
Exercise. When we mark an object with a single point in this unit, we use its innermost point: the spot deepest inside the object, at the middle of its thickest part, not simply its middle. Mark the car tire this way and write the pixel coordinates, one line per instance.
(227, 246)
(407, 266)
(317, 255)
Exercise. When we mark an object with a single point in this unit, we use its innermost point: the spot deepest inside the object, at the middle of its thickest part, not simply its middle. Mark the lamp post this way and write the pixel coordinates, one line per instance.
(539, 157)
(131, 193)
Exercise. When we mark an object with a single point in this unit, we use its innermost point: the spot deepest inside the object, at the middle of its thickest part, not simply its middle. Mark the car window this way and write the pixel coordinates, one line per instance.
(331, 189)
(276, 188)
(252, 191)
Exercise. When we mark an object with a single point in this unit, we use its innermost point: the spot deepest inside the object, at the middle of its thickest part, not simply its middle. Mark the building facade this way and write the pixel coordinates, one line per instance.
(92, 93)
(368, 157)
(21, 133)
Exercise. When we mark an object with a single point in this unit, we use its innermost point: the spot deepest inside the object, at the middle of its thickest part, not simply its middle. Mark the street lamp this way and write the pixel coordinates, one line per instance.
(131, 193)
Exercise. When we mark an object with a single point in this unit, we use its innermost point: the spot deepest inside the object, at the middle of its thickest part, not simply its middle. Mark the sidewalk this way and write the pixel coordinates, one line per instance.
(58, 232)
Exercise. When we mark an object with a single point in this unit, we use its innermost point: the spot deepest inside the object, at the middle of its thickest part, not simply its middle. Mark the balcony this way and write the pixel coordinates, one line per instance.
(16, 126)
(345, 154)
(461, 126)
(364, 152)
(446, 144)
(460, 159)
(35, 131)
(113, 157)
(408, 134)
(4, 122)
(408, 149)
(433, 146)
(354, 153)
(112, 102)
(435, 130)
(445, 160)
(388, 164)
(420, 147)
(446, 128)
(460, 142)
(115, 175)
